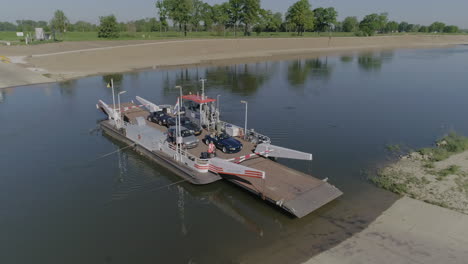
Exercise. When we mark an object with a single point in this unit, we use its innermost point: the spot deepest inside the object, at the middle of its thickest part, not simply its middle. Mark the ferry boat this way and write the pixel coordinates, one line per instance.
(252, 166)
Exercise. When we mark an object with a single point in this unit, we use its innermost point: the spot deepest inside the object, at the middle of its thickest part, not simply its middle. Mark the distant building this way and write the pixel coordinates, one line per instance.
(40, 34)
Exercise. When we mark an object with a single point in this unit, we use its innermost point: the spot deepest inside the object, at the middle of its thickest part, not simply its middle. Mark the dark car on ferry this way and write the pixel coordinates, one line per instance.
(188, 139)
(159, 117)
(224, 142)
(187, 123)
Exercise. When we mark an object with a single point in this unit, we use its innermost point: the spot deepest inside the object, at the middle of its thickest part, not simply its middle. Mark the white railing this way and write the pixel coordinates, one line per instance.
(186, 156)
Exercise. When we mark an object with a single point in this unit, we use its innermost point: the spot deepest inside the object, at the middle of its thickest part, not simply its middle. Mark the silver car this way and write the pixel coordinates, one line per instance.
(189, 140)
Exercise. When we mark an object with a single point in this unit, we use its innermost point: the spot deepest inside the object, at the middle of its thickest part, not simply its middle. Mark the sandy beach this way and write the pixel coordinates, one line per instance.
(62, 61)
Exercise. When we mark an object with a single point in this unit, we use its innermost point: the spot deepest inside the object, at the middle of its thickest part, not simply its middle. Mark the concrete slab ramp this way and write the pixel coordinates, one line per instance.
(312, 200)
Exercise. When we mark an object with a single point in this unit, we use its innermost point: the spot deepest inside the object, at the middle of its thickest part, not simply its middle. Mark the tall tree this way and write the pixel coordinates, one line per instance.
(451, 29)
(7, 26)
(410, 28)
(59, 22)
(373, 23)
(301, 16)
(423, 29)
(437, 27)
(272, 21)
(83, 26)
(391, 27)
(324, 18)
(350, 24)
(403, 26)
(108, 27)
(207, 15)
(250, 13)
(234, 12)
(414, 27)
(153, 25)
(180, 12)
(162, 5)
(197, 14)
(221, 15)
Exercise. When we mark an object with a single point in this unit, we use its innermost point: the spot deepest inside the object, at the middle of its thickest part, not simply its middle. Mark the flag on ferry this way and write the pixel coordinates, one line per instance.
(176, 107)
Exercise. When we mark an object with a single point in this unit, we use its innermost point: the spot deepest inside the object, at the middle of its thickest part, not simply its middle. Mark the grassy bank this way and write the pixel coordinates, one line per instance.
(92, 36)
(437, 175)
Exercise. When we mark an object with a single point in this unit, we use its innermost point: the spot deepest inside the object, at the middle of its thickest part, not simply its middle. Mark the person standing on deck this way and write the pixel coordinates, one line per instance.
(211, 149)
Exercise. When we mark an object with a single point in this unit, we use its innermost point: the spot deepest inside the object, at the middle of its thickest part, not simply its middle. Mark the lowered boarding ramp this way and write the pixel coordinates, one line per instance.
(292, 190)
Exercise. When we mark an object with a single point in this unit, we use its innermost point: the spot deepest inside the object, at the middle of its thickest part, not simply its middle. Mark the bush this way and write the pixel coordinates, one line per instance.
(455, 143)
(360, 34)
(389, 181)
(449, 145)
(108, 27)
(258, 30)
(451, 170)
(219, 30)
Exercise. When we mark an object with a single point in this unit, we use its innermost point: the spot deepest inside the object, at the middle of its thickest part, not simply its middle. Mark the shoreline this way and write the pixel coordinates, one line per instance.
(436, 175)
(71, 60)
(428, 224)
(410, 231)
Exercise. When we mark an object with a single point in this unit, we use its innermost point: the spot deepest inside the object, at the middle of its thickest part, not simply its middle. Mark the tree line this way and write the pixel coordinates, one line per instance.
(237, 16)
(30, 25)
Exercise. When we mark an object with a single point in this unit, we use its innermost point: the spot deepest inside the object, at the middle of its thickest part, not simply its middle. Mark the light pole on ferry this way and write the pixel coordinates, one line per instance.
(180, 88)
(246, 109)
(113, 94)
(202, 112)
(120, 110)
(178, 130)
(217, 108)
(180, 100)
(203, 88)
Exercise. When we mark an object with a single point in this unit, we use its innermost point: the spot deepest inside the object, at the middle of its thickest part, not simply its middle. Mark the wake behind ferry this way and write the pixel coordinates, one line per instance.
(190, 139)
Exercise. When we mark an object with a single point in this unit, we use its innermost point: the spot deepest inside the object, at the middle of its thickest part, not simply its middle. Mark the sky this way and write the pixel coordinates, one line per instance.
(413, 11)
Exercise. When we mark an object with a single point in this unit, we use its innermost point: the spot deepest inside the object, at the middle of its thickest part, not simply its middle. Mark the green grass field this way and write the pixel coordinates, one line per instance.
(92, 36)
(88, 36)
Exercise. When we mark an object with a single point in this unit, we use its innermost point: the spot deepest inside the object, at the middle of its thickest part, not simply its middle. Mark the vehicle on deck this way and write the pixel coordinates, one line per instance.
(224, 142)
(189, 140)
(159, 117)
(187, 123)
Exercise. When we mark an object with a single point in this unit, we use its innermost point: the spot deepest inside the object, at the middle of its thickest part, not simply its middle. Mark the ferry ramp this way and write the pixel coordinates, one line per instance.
(294, 191)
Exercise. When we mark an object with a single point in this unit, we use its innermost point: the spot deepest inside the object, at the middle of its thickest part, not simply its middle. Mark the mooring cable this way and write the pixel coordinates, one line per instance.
(169, 185)
(132, 145)
(108, 154)
(134, 192)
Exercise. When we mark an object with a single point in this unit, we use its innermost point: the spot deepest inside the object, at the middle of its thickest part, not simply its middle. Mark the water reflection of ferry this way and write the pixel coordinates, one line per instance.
(127, 186)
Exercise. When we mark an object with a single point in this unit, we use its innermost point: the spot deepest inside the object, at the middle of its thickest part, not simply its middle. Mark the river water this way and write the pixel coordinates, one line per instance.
(61, 201)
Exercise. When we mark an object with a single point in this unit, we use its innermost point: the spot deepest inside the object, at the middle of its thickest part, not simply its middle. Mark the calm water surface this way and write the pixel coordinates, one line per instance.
(61, 203)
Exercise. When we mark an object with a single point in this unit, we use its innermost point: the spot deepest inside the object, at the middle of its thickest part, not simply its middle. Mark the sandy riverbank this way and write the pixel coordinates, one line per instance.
(416, 231)
(410, 231)
(61, 61)
(437, 175)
